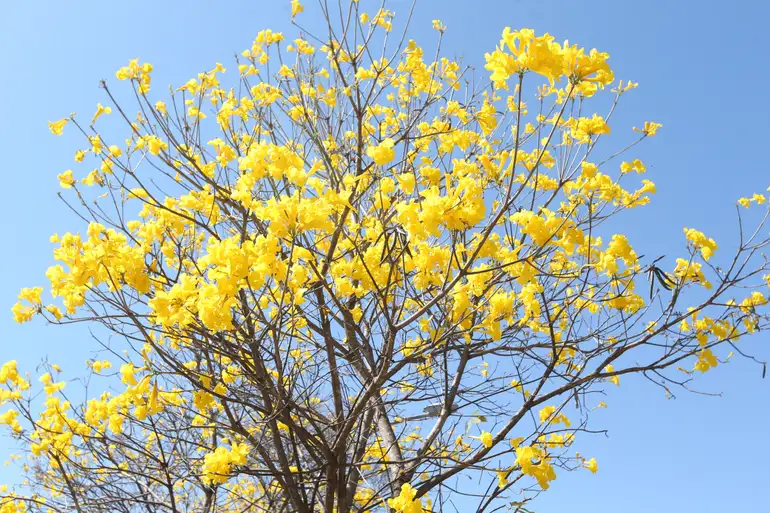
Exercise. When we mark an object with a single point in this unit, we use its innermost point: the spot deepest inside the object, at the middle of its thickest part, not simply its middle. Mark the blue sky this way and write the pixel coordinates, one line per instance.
(703, 69)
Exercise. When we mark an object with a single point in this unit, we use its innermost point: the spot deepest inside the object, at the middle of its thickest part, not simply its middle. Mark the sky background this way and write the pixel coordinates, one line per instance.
(703, 69)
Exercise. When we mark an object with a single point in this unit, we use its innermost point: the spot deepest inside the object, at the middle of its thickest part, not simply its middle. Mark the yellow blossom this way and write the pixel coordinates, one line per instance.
(649, 128)
(57, 127)
(100, 109)
(66, 179)
(382, 153)
(296, 8)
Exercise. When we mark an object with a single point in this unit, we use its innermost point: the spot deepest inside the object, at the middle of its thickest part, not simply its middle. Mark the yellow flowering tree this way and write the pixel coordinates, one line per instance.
(342, 276)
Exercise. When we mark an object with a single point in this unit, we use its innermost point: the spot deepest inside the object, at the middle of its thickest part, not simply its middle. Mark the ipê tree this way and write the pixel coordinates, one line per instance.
(352, 275)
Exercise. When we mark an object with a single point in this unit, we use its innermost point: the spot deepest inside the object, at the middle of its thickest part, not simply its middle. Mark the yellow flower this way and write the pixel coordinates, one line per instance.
(65, 179)
(194, 112)
(31, 294)
(55, 311)
(706, 360)
(296, 8)
(99, 366)
(127, 371)
(502, 478)
(542, 470)
(217, 465)
(155, 144)
(635, 165)
(92, 178)
(57, 127)
(650, 128)
(546, 413)
(407, 182)
(405, 501)
(100, 109)
(9, 418)
(584, 128)
(591, 465)
(614, 379)
(21, 313)
(382, 153)
(699, 241)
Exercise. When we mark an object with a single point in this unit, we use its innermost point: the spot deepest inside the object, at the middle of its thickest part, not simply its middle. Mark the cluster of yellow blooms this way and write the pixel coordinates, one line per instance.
(542, 470)
(521, 51)
(13, 506)
(217, 464)
(405, 501)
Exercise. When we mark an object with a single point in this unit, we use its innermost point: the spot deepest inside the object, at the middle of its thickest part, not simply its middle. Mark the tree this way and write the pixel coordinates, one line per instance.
(353, 277)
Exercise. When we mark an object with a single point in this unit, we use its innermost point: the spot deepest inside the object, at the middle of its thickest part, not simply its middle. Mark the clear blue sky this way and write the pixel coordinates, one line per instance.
(703, 69)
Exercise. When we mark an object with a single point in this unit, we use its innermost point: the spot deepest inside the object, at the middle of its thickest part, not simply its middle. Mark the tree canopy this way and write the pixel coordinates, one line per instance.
(341, 275)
